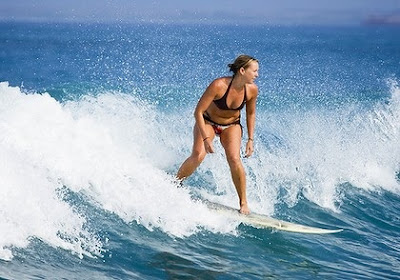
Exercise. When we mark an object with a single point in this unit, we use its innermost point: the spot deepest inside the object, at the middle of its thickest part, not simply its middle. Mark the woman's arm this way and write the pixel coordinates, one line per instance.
(203, 104)
(251, 118)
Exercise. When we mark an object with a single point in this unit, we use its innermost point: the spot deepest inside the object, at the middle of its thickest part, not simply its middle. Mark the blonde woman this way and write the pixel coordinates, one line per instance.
(218, 113)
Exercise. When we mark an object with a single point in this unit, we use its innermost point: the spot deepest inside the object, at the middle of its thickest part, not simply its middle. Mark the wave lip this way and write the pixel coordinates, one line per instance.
(31, 205)
(111, 148)
(118, 150)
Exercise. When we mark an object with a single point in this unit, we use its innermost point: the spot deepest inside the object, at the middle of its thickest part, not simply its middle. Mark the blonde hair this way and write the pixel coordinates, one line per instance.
(242, 60)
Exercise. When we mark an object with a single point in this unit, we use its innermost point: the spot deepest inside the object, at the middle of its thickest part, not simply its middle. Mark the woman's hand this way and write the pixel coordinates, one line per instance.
(249, 148)
(208, 145)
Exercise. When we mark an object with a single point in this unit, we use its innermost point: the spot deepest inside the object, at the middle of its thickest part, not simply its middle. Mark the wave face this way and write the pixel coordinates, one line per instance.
(92, 135)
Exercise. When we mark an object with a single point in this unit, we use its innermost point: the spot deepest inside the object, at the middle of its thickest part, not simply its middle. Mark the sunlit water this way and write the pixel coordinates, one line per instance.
(95, 120)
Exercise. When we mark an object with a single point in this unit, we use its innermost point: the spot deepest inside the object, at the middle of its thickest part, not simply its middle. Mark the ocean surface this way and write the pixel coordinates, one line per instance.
(95, 120)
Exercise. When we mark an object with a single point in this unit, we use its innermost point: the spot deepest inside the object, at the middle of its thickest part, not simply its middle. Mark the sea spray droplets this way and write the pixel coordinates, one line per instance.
(313, 151)
(112, 148)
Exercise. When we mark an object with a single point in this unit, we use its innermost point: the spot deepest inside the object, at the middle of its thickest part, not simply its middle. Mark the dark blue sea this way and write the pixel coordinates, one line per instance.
(95, 120)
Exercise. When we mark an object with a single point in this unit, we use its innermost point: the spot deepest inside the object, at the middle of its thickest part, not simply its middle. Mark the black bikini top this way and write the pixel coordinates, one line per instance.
(221, 103)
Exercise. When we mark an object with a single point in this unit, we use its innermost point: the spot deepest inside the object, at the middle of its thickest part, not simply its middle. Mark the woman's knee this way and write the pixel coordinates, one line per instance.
(234, 160)
(198, 156)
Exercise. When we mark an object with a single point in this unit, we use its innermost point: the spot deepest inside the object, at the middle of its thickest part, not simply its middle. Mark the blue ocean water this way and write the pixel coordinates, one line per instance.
(95, 119)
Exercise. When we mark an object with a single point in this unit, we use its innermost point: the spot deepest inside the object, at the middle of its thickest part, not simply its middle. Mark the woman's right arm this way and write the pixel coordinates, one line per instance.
(203, 104)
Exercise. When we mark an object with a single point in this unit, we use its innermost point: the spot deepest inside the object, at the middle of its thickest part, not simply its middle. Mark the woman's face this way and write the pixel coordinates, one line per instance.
(251, 72)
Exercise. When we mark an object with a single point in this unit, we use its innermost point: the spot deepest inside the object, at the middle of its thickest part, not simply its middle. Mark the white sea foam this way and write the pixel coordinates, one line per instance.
(118, 151)
(112, 148)
(30, 206)
(314, 151)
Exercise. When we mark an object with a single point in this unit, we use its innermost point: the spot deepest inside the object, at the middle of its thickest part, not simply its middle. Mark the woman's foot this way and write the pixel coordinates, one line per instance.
(244, 209)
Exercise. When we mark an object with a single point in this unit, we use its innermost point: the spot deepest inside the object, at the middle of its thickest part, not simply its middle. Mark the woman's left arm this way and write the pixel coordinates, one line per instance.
(251, 118)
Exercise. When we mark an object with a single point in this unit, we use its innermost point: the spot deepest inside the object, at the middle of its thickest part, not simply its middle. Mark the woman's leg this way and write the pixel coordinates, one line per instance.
(231, 141)
(198, 153)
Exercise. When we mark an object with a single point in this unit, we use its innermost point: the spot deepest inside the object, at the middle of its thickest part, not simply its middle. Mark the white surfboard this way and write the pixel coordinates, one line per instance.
(263, 221)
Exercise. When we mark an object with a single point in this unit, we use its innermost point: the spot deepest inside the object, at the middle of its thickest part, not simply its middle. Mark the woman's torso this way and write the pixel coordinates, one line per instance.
(228, 103)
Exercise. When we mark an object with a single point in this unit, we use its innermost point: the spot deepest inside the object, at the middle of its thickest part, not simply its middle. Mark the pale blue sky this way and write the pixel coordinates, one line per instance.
(206, 11)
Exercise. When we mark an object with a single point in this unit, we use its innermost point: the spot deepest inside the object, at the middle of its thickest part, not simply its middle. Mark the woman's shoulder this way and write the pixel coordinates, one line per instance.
(252, 86)
(252, 90)
(220, 83)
